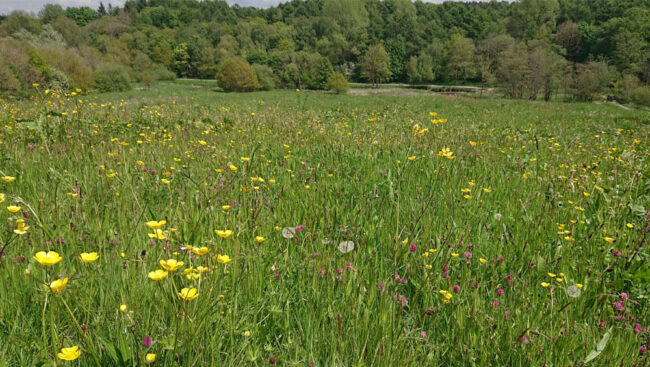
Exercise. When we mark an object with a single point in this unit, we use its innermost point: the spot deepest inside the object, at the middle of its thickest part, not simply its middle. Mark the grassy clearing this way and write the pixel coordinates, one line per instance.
(524, 242)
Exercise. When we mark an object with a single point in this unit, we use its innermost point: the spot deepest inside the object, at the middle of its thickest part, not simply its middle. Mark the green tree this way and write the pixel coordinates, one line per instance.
(459, 58)
(338, 84)
(235, 74)
(376, 65)
(181, 60)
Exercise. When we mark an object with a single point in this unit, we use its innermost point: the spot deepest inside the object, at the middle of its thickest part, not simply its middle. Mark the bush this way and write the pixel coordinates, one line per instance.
(237, 75)
(338, 83)
(112, 78)
(265, 76)
(57, 80)
(641, 96)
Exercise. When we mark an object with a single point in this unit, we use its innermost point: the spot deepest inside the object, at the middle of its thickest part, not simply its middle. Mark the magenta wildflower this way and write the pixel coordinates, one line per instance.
(147, 341)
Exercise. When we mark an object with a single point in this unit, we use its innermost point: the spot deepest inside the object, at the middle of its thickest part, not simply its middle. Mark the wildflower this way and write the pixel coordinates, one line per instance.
(123, 308)
(482, 260)
(246, 333)
(454, 255)
(150, 358)
(21, 228)
(456, 288)
(147, 341)
(158, 234)
(413, 247)
(412, 158)
(573, 291)
(609, 239)
(233, 167)
(446, 153)
(88, 257)
(223, 259)
(188, 294)
(223, 234)
(157, 275)
(200, 251)
(152, 224)
(165, 181)
(8, 179)
(346, 246)
(13, 209)
(171, 264)
(47, 258)
(544, 284)
(2, 198)
(629, 225)
(260, 239)
(69, 354)
(58, 285)
(226, 207)
(288, 232)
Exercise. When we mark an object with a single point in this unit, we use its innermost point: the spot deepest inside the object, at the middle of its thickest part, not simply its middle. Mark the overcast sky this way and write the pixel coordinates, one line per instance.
(7, 6)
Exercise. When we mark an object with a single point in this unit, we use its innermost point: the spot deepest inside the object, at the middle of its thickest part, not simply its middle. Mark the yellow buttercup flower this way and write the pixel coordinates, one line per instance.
(88, 257)
(482, 260)
(157, 275)
(150, 358)
(2, 198)
(544, 284)
(58, 285)
(200, 251)
(171, 264)
(226, 207)
(13, 208)
(260, 239)
(233, 167)
(158, 234)
(69, 354)
(609, 239)
(123, 308)
(21, 228)
(446, 153)
(47, 258)
(155, 224)
(8, 179)
(188, 294)
(223, 259)
(223, 234)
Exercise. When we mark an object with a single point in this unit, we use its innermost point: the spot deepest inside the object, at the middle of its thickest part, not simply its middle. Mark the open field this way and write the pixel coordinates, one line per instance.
(483, 231)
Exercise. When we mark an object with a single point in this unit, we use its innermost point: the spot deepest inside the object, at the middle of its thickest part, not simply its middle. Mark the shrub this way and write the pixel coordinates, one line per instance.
(338, 83)
(265, 76)
(112, 78)
(57, 80)
(237, 75)
(641, 96)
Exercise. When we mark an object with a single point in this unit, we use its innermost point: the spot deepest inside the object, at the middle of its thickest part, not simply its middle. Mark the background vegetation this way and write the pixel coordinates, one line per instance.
(574, 49)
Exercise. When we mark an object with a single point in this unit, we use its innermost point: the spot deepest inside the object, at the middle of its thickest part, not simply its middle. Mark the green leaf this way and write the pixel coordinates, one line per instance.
(600, 347)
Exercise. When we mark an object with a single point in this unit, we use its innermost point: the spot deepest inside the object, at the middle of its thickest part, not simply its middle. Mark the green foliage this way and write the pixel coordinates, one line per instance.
(376, 65)
(265, 77)
(235, 74)
(82, 15)
(641, 96)
(112, 78)
(338, 83)
(303, 42)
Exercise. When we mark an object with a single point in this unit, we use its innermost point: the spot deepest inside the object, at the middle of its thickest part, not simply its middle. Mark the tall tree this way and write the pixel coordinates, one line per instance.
(376, 65)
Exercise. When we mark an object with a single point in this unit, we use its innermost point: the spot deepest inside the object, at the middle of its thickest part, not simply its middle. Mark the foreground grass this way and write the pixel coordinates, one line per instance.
(526, 243)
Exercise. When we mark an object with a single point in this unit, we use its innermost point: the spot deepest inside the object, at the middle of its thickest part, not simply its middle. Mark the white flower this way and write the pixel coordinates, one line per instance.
(573, 291)
(346, 246)
(288, 232)
(326, 241)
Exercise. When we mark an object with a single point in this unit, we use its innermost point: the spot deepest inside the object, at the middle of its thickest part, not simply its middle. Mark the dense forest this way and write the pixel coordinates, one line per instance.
(536, 49)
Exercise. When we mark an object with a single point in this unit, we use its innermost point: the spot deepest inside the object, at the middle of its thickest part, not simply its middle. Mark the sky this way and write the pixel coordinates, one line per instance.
(7, 6)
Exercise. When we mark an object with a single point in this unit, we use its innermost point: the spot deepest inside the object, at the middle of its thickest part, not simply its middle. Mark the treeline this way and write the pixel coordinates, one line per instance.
(574, 49)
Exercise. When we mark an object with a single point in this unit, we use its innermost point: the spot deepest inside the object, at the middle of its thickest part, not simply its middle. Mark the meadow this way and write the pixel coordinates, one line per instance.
(177, 225)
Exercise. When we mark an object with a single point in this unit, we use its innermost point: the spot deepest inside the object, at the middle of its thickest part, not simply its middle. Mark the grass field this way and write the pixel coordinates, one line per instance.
(322, 230)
